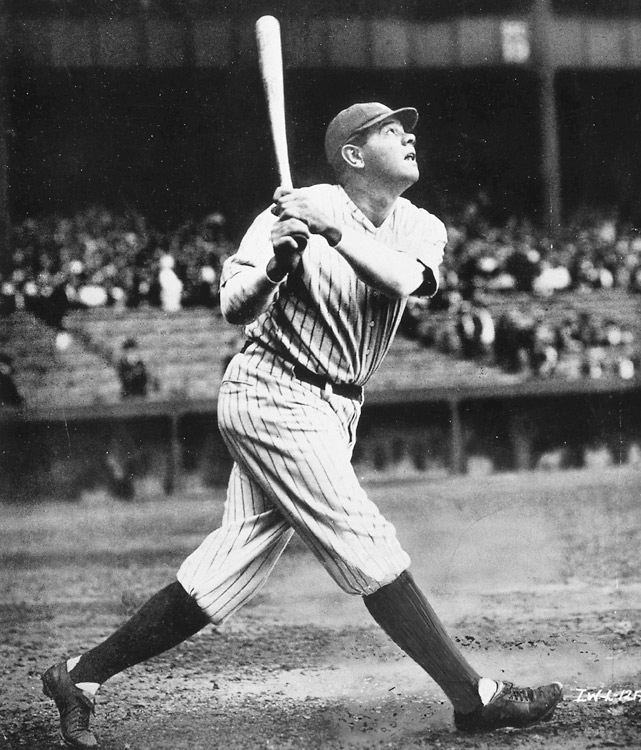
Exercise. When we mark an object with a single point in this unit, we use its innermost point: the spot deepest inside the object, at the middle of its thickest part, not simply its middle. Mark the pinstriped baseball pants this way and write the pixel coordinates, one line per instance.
(292, 448)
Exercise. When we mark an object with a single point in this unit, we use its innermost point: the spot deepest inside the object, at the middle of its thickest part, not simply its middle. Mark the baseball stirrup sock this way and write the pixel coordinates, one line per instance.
(167, 619)
(403, 612)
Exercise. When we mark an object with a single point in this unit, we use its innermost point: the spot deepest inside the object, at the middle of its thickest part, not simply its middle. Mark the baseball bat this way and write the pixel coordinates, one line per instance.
(270, 60)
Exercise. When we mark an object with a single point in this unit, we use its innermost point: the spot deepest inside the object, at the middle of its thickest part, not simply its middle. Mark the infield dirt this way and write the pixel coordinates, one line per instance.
(537, 577)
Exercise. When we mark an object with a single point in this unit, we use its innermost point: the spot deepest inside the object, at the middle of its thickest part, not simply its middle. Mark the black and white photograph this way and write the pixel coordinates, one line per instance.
(320, 374)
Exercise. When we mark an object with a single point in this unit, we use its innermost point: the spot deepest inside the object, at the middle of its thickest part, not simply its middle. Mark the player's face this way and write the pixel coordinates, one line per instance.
(389, 152)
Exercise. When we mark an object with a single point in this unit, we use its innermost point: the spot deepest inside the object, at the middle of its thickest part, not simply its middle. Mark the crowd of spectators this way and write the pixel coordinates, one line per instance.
(593, 250)
(491, 258)
(103, 258)
(529, 342)
(99, 257)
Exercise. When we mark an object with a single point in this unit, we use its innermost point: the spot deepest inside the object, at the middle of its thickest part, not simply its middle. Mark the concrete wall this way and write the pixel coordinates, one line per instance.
(142, 453)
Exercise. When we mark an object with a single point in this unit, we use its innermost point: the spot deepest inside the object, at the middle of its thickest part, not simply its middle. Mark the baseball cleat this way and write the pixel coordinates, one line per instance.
(512, 706)
(74, 706)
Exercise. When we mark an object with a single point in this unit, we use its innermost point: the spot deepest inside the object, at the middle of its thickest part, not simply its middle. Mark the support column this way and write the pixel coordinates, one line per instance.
(550, 151)
(458, 461)
(520, 431)
(5, 219)
(172, 474)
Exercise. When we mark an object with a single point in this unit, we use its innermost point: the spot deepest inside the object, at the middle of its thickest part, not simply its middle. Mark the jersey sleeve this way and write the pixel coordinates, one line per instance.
(423, 236)
(255, 249)
(429, 240)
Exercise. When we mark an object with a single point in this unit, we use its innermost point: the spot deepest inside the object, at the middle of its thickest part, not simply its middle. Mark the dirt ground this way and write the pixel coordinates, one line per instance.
(537, 576)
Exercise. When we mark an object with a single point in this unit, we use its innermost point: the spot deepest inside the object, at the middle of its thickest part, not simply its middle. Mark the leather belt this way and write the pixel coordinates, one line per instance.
(346, 390)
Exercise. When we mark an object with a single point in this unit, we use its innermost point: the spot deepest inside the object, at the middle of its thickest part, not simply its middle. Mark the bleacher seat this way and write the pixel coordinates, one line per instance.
(47, 374)
(186, 351)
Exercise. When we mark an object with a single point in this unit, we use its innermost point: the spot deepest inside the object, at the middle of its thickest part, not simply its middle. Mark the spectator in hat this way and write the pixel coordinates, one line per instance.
(9, 393)
(132, 371)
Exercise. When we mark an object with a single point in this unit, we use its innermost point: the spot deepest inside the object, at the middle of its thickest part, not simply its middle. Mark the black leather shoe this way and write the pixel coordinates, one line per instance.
(512, 706)
(74, 706)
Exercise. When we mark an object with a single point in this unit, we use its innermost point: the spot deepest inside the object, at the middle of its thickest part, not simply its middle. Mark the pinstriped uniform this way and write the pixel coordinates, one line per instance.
(291, 441)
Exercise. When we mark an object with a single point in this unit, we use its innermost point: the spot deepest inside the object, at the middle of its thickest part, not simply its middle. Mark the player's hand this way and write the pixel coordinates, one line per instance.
(289, 238)
(296, 204)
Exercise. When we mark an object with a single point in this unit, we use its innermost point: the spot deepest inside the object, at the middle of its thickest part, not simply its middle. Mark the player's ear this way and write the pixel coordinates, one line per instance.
(352, 155)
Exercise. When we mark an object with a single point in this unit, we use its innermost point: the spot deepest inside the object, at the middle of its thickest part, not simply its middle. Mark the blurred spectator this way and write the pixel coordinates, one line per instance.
(553, 277)
(589, 330)
(132, 371)
(203, 290)
(214, 239)
(567, 336)
(612, 333)
(465, 329)
(54, 303)
(627, 364)
(593, 364)
(635, 279)
(476, 330)
(484, 330)
(545, 355)
(415, 321)
(9, 393)
(8, 303)
(523, 266)
(514, 341)
(171, 287)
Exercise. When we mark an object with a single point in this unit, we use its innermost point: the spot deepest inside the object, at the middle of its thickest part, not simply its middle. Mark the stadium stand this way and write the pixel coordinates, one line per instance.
(185, 354)
(602, 326)
(95, 279)
(52, 368)
(412, 366)
(185, 351)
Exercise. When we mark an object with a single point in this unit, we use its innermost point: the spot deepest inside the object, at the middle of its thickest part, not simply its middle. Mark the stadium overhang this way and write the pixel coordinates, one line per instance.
(580, 42)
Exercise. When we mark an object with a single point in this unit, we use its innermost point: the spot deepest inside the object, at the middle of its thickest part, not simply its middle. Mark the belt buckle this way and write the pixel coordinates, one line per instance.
(328, 389)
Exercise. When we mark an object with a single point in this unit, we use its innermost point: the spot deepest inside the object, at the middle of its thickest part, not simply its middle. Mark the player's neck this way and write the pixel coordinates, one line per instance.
(376, 203)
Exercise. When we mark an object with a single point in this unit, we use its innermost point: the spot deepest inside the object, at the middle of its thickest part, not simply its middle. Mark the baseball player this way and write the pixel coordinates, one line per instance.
(320, 282)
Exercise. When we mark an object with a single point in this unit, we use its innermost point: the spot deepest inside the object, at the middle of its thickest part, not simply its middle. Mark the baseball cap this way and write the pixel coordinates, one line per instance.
(360, 117)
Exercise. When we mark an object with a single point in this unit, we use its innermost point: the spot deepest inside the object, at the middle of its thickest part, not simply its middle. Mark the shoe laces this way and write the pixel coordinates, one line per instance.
(522, 695)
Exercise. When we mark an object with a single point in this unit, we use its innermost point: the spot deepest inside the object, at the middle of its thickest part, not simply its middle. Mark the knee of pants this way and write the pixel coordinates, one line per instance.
(364, 575)
(222, 579)
(215, 603)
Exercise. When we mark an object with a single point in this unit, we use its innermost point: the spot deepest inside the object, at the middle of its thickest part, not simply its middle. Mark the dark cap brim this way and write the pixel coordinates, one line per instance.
(407, 115)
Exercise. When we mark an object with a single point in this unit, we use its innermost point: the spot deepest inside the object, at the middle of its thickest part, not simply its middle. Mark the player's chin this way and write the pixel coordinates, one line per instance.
(411, 172)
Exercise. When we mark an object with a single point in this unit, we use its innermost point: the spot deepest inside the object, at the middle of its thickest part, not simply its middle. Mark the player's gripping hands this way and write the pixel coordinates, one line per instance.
(250, 289)
(289, 238)
(296, 204)
(392, 272)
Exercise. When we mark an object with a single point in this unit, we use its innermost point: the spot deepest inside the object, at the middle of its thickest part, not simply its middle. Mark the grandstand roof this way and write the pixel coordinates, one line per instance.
(336, 33)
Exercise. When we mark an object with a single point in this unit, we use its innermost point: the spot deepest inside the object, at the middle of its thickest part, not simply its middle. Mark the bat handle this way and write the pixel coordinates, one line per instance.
(300, 240)
(286, 178)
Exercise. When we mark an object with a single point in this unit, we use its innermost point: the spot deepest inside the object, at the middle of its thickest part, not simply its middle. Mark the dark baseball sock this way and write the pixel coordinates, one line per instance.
(168, 618)
(401, 609)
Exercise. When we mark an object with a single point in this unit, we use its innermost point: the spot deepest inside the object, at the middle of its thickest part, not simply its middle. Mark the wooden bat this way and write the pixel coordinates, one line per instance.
(270, 60)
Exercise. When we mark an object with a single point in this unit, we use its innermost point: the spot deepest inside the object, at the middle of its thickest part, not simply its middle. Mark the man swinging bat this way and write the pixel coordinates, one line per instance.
(319, 317)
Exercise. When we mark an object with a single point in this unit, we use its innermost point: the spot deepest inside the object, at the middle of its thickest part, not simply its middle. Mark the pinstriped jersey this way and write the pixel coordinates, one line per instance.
(323, 316)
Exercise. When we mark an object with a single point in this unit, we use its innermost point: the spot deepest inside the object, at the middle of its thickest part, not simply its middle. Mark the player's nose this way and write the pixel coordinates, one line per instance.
(409, 139)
